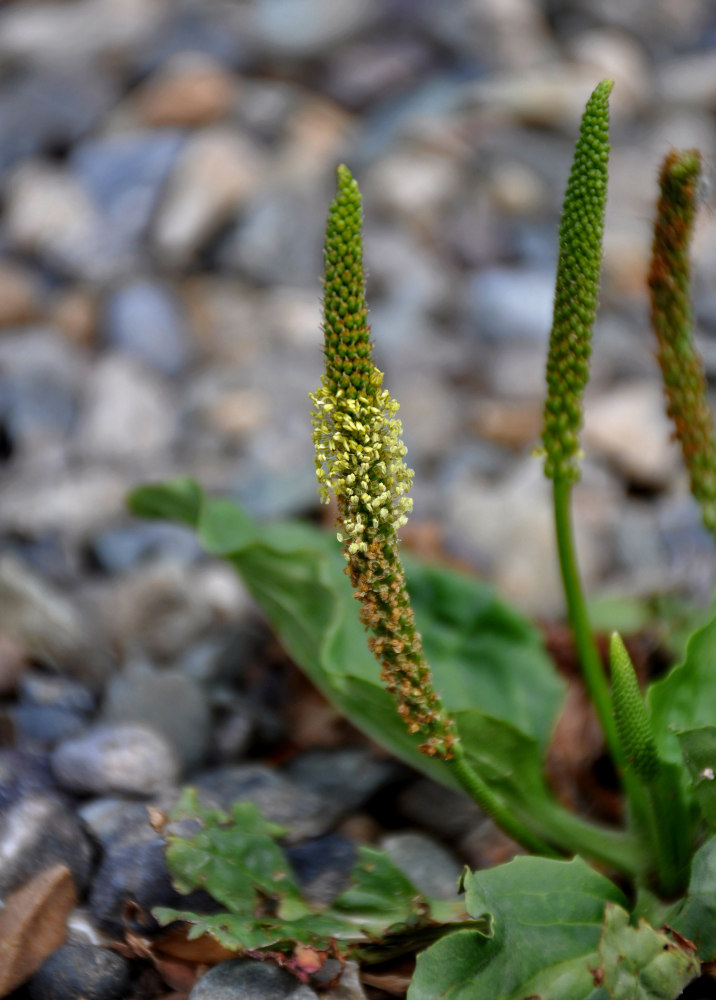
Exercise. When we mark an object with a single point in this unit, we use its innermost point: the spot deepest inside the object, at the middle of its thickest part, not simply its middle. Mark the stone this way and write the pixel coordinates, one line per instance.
(81, 970)
(13, 664)
(348, 987)
(44, 725)
(142, 319)
(115, 758)
(124, 175)
(249, 979)
(217, 171)
(47, 111)
(303, 28)
(74, 312)
(191, 89)
(133, 871)
(350, 775)
(119, 549)
(36, 832)
(125, 413)
(45, 690)
(50, 626)
(323, 866)
(305, 813)
(33, 924)
(20, 296)
(167, 701)
(414, 182)
(511, 304)
(629, 427)
(110, 818)
(430, 867)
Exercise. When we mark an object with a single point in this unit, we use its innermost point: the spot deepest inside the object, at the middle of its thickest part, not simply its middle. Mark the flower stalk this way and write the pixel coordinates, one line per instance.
(672, 321)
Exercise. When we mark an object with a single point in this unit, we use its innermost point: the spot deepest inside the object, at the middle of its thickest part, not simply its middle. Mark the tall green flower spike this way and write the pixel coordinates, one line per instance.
(577, 289)
(359, 458)
(632, 719)
(672, 321)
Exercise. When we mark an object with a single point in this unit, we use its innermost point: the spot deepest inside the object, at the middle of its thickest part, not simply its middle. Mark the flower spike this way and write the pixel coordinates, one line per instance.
(672, 321)
(577, 289)
(360, 459)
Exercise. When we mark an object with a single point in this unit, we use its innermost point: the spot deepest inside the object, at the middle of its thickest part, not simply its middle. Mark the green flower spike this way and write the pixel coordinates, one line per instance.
(682, 371)
(632, 719)
(359, 458)
(577, 289)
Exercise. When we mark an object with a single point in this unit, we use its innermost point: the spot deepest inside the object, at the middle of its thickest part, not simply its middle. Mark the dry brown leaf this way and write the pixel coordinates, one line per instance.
(34, 924)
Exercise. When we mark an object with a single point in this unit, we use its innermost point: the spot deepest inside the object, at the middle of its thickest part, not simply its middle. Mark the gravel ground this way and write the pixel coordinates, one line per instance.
(165, 171)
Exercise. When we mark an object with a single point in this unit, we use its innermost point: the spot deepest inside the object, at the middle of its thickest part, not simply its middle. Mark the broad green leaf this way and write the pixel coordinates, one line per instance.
(483, 655)
(547, 921)
(175, 500)
(699, 749)
(686, 697)
(695, 916)
(640, 963)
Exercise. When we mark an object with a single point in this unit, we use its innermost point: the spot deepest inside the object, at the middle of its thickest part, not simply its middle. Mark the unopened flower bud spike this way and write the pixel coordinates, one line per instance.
(360, 459)
(575, 306)
(672, 321)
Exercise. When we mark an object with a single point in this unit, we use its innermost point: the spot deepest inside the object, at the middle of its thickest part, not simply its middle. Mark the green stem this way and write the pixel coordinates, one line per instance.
(589, 657)
(479, 791)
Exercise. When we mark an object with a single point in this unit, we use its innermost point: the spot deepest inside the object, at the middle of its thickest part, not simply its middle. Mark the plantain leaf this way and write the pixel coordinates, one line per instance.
(546, 919)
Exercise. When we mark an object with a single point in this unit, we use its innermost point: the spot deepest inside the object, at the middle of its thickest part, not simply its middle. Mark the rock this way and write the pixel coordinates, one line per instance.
(303, 28)
(189, 90)
(47, 112)
(44, 725)
(223, 34)
(20, 296)
(249, 979)
(377, 70)
(629, 427)
(142, 319)
(74, 312)
(119, 549)
(134, 870)
(23, 772)
(81, 970)
(43, 690)
(50, 626)
(688, 80)
(414, 182)
(108, 819)
(13, 664)
(511, 304)
(323, 866)
(216, 173)
(238, 413)
(126, 412)
(305, 813)
(163, 608)
(167, 701)
(430, 867)
(348, 987)
(33, 925)
(36, 832)
(125, 175)
(447, 813)
(127, 758)
(350, 775)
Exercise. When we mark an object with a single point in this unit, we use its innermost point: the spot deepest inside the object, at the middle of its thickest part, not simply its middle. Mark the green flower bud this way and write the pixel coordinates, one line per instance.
(630, 713)
(577, 289)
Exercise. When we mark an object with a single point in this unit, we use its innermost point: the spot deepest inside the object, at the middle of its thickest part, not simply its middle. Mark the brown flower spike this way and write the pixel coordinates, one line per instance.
(359, 458)
(672, 321)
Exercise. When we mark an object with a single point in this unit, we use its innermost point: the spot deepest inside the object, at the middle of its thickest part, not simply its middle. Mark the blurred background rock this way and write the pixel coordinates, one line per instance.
(165, 171)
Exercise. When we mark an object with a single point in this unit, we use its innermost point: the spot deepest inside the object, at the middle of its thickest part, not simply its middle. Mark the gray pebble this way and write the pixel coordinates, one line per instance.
(36, 832)
(44, 725)
(511, 303)
(350, 775)
(121, 758)
(143, 319)
(39, 689)
(81, 970)
(430, 867)
(303, 812)
(323, 866)
(248, 979)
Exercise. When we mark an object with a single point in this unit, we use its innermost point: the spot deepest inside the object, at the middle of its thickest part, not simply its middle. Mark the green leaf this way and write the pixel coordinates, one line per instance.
(695, 916)
(547, 921)
(640, 963)
(236, 859)
(699, 749)
(175, 500)
(686, 697)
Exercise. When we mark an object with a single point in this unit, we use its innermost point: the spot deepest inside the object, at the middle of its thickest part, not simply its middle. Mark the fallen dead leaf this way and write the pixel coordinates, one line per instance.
(33, 924)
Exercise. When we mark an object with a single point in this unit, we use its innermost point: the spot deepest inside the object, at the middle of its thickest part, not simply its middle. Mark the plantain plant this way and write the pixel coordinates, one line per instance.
(472, 698)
